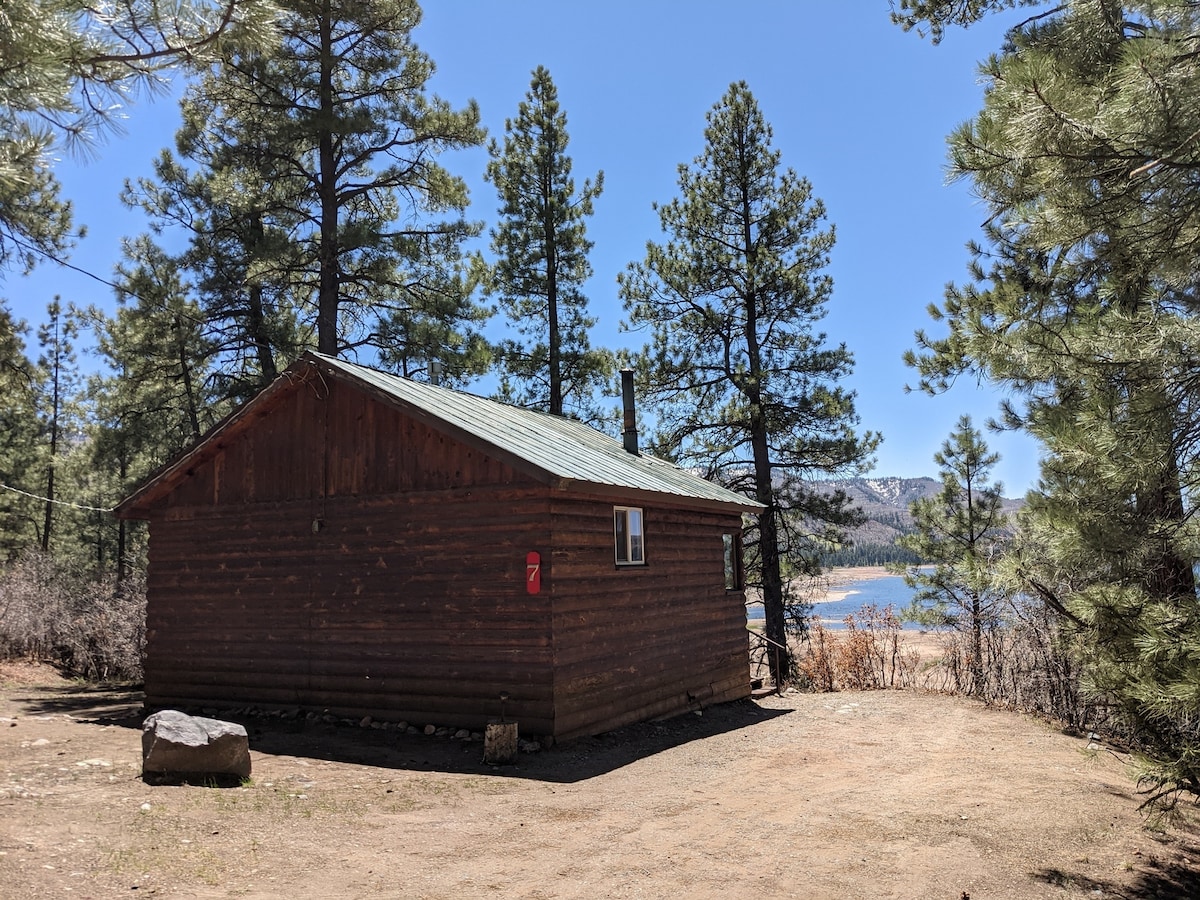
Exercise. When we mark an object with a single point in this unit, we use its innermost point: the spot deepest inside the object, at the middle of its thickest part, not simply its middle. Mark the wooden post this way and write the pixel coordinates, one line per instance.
(500, 744)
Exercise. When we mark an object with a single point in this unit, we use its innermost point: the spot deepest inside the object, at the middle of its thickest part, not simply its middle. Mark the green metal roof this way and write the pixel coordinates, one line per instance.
(566, 450)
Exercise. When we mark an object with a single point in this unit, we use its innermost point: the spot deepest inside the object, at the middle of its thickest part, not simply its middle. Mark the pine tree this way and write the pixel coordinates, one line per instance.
(18, 440)
(68, 67)
(317, 180)
(159, 393)
(959, 532)
(57, 365)
(743, 388)
(542, 262)
(1083, 305)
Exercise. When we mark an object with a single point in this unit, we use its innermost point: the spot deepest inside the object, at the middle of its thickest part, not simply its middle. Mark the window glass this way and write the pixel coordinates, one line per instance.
(627, 531)
(636, 550)
(733, 562)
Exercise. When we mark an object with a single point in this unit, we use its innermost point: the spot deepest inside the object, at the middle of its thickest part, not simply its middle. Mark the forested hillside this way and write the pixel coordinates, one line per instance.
(885, 502)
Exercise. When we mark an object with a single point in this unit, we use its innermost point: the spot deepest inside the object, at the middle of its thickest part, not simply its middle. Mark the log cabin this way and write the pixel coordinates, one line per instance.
(354, 542)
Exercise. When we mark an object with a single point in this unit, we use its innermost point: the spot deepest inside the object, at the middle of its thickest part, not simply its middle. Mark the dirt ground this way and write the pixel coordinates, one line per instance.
(852, 795)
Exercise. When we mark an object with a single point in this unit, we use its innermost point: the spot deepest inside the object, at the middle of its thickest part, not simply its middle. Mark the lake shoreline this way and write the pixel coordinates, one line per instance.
(839, 577)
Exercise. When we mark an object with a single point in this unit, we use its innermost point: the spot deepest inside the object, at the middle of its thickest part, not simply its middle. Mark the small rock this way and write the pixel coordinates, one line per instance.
(431, 729)
(145, 807)
(462, 734)
(40, 742)
(529, 746)
(365, 722)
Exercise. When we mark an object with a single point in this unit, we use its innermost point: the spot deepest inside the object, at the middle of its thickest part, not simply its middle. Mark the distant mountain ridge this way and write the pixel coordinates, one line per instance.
(884, 500)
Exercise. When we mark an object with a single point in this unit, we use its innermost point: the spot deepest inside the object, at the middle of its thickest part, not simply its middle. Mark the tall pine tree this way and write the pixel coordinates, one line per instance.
(19, 439)
(542, 261)
(318, 210)
(59, 371)
(743, 387)
(159, 392)
(1082, 303)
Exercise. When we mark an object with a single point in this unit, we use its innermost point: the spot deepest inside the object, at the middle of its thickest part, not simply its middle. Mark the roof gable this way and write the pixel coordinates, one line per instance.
(564, 453)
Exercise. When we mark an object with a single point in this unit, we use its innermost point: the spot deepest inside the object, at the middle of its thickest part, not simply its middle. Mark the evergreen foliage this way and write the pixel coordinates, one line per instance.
(1082, 302)
(542, 262)
(58, 368)
(18, 439)
(958, 537)
(68, 68)
(160, 393)
(863, 553)
(745, 390)
(310, 186)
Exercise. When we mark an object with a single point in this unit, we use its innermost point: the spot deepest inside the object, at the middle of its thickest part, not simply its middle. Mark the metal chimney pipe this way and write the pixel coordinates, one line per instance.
(629, 434)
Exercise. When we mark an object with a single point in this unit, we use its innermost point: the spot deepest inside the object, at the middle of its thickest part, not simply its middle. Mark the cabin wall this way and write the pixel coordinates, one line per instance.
(408, 607)
(635, 642)
(336, 554)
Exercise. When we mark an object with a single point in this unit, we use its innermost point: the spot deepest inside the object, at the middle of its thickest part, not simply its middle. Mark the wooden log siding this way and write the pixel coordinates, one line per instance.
(328, 439)
(632, 642)
(409, 607)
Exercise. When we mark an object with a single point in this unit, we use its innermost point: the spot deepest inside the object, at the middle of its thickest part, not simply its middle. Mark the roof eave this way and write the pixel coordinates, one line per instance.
(664, 498)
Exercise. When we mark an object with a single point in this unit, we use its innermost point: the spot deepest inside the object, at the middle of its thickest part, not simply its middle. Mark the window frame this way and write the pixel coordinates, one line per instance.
(629, 540)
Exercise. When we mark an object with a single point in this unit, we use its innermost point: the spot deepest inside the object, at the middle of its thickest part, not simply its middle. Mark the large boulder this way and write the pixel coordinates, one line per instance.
(174, 743)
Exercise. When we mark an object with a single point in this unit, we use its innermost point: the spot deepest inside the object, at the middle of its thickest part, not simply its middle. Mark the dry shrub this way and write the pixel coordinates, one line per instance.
(868, 655)
(95, 629)
(1028, 664)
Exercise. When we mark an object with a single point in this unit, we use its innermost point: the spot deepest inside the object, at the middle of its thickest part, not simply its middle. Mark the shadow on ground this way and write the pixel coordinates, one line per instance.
(1171, 872)
(96, 704)
(576, 760)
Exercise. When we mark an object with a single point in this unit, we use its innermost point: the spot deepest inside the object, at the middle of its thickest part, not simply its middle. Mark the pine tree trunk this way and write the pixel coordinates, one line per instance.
(555, 339)
(976, 645)
(256, 318)
(185, 375)
(327, 255)
(774, 611)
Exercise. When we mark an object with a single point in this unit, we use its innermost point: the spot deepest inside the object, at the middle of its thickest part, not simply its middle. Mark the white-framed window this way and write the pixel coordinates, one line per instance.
(629, 537)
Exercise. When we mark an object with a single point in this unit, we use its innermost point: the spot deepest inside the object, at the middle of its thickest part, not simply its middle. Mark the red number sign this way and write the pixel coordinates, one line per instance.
(533, 572)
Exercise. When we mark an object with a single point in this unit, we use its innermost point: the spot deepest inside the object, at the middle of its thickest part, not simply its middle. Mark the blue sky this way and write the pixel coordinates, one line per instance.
(858, 107)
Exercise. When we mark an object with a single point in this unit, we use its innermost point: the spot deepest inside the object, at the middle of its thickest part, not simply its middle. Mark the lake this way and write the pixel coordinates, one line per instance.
(877, 591)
